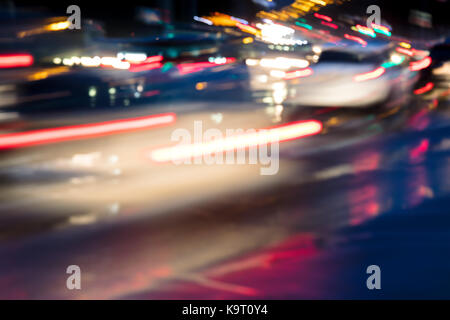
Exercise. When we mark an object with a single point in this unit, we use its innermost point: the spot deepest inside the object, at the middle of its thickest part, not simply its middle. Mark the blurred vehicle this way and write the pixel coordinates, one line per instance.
(347, 77)
(29, 42)
(440, 65)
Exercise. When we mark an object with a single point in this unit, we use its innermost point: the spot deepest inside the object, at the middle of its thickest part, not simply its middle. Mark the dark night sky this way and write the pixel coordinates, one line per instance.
(183, 10)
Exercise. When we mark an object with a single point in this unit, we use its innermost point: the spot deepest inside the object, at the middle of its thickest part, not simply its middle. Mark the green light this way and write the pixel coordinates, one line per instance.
(167, 66)
(367, 33)
(387, 33)
(304, 25)
(389, 64)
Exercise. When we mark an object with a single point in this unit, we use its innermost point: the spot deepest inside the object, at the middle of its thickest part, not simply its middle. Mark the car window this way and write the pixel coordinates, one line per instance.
(338, 56)
(349, 57)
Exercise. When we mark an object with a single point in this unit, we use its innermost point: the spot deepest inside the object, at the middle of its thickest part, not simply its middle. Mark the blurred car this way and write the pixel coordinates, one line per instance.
(29, 42)
(440, 65)
(350, 78)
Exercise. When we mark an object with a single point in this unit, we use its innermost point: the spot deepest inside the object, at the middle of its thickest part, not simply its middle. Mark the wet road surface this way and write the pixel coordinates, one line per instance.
(372, 188)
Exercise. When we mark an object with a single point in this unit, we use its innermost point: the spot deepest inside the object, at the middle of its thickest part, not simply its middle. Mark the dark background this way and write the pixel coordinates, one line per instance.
(396, 12)
(183, 10)
(180, 10)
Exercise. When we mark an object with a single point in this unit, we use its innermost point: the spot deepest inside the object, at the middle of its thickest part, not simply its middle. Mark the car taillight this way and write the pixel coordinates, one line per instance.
(378, 72)
(298, 74)
(16, 60)
(421, 64)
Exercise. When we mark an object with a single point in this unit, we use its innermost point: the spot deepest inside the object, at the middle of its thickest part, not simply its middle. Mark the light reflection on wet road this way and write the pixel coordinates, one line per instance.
(340, 203)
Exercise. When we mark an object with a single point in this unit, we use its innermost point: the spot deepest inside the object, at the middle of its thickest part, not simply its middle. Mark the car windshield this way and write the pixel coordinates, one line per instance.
(349, 57)
(338, 56)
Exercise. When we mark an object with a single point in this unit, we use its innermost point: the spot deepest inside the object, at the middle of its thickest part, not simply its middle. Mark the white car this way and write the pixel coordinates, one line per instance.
(350, 79)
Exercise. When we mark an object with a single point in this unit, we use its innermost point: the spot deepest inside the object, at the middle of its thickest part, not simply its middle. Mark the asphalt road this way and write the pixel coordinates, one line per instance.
(372, 188)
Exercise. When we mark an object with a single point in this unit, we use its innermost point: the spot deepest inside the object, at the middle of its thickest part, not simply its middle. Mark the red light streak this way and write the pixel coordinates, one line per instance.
(145, 67)
(357, 39)
(151, 93)
(286, 132)
(405, 51)
(418, 151)
(153, 59)
(378, 72)
(153, 62)
(419, 52)
(331, 25)
(52, 135)
(323, 17)
(298, 74)
(425, 88)
(185, 68)
(421, 64)
(15, 60)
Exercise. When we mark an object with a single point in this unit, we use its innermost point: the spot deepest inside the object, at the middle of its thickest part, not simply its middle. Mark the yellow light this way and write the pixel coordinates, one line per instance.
(200, 85)
(333, 121)
(45, 74)
(248, 29)
(405, 45)
(38, 76)
(322, 3)
(58, 26)
(247, 40)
